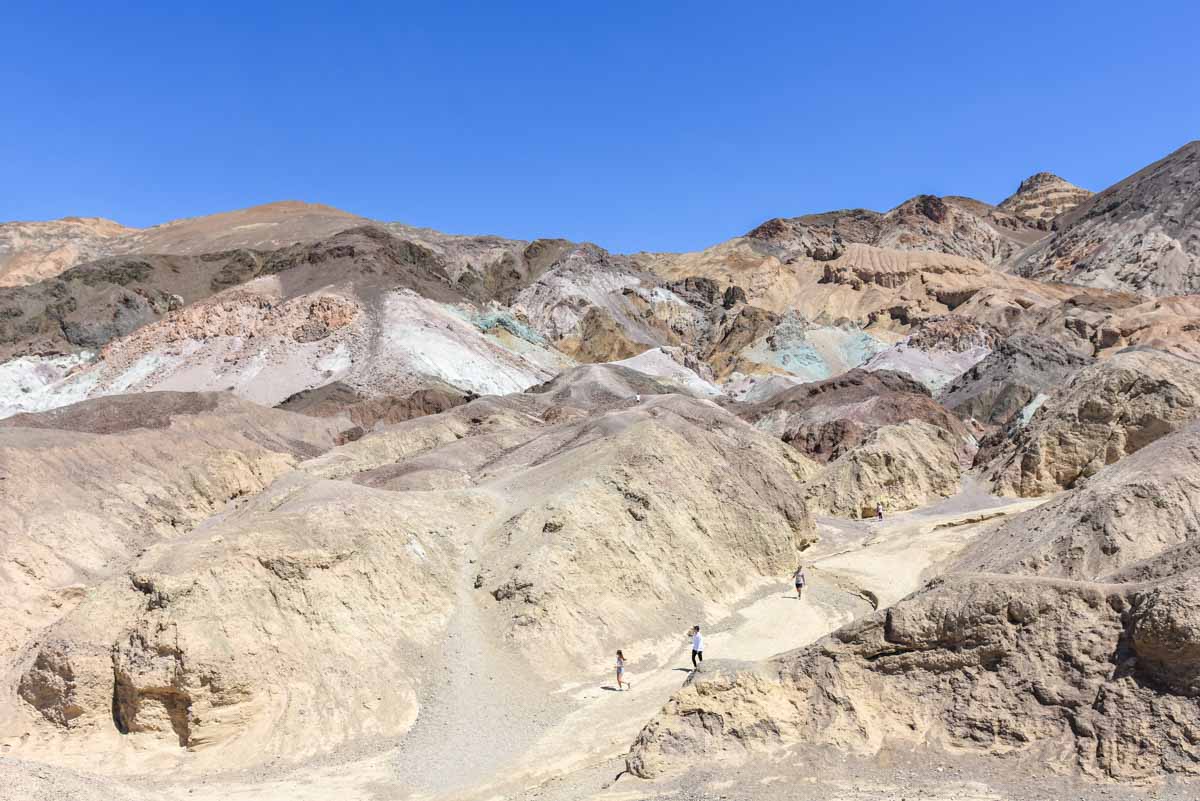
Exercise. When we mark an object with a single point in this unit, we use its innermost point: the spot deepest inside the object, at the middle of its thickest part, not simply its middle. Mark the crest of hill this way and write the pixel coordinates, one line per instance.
(1141, 234)
(33, 251)
(1043, 196)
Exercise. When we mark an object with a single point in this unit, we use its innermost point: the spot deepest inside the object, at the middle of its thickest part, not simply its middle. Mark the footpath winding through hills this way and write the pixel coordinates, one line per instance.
(488, 729)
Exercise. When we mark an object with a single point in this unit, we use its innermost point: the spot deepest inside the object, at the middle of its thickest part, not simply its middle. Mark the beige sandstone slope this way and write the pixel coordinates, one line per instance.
(33, 251)
(900, 466)
(1136, 518)
(1105, 411)
(861, 282)
(1042, 197)
(306, 617)
(87, 487)
(265, 227)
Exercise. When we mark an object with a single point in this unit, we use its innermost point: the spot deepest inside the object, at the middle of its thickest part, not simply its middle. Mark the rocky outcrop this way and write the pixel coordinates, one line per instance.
(598, 338)
(825, 419)
(1018, 370)
(1097, 678)
(939, 349)
(1042, 197)
(1141, 234)
(1106, 411)
(34, 251)
(1135, 520)
(332, 400)
(88, 486)
(900, 466)
(956, 225)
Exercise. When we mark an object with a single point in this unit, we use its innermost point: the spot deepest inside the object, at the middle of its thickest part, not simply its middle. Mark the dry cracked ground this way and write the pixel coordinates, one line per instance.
(300, 505)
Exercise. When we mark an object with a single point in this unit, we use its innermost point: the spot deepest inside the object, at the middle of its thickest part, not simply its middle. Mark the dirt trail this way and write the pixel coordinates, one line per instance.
(489, 729)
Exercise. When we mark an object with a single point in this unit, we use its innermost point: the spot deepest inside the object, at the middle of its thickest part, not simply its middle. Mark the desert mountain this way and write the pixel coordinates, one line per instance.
(1042, 197)
(298, 504)
(1142, 234)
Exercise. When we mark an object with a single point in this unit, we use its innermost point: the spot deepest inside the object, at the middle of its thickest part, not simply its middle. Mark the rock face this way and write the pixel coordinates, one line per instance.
(87, 486)
(33, 251)
(1042, 197)
(826, 419)
(1106, 411)
(938, 350)
(1135, 520)
(1099, 678)
(1010, 378)
(901, 466)
(1142, 234)
(332, 400)
(956, 225)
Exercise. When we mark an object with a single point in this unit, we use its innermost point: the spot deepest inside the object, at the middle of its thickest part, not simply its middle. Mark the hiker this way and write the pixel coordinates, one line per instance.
(879, 511)
(621, 683)
(799, 577)
(697, 647)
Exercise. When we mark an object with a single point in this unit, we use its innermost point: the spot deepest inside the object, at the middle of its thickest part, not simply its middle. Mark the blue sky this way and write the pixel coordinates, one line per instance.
(657, 126)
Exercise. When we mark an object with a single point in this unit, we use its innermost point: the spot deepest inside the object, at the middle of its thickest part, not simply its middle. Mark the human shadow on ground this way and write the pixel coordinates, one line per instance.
(610, 688)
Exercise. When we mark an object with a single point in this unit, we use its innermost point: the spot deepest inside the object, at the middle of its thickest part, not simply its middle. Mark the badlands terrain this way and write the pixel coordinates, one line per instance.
(296, 504)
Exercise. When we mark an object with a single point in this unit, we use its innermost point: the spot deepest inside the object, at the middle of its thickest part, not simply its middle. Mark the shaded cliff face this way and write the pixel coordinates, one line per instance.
(1141, 234)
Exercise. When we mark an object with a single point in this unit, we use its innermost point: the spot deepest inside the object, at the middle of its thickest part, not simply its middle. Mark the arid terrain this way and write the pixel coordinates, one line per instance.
(296, 504)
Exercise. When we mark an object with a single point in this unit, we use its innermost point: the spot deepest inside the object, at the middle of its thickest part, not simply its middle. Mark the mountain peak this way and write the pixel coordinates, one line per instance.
(1043, 196)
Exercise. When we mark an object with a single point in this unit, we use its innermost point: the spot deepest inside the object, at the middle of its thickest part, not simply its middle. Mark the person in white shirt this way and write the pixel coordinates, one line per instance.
(798, 577)
(697, 647)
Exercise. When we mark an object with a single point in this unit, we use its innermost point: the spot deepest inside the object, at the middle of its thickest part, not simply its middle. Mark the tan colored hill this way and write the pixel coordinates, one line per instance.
(285, 618)
(1141, 234)
(1042, 197)
(825, 419)
(1104, 412)
(899, 466)
(1135, 520)
(33, 251)
(266, 227)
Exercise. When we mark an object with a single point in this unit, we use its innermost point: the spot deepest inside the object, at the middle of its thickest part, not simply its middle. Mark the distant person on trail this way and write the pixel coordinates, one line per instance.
(800, 581)
(697, 647)
(879, 511)
(621, 683)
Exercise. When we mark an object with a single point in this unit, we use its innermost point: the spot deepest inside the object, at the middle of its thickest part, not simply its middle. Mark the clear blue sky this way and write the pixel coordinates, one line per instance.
(635, 125)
